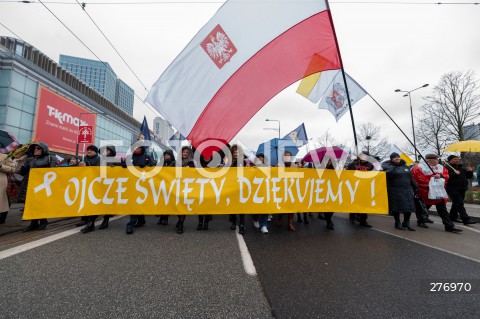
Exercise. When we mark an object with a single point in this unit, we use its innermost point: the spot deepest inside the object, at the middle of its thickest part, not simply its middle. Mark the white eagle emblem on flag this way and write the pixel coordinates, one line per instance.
(219, 47)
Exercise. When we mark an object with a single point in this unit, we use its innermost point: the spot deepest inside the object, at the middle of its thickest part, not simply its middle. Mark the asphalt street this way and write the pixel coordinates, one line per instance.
(352, 272)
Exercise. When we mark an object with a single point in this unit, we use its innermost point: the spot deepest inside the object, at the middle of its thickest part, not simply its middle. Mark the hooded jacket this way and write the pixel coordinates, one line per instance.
(42, 161)
(171, 161)
(401, 187)
(188, 162)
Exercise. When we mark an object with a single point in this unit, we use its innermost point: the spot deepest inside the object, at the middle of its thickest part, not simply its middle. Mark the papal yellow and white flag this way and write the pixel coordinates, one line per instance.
(328, 88)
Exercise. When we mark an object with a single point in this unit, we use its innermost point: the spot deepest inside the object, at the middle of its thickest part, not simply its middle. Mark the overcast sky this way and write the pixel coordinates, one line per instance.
(384, 45)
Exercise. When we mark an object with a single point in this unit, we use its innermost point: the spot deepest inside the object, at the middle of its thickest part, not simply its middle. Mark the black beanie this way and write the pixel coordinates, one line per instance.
(451, 157)
(92, 148)
(393, 155)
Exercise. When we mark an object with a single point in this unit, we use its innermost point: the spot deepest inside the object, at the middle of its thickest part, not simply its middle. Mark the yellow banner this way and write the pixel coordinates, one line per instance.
(79, 191)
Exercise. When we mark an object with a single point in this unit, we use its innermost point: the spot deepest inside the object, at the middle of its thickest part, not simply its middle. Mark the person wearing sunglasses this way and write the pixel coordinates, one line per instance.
(39, 157)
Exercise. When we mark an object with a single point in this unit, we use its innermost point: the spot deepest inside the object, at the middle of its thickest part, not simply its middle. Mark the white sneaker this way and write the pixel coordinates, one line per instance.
(269, 218)
(256, 224)
(264, 230)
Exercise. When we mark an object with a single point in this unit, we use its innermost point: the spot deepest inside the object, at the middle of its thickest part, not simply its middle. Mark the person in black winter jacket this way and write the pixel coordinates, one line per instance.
(401, 188)
(109, 151)
(456, 187)
(238, 160)
(92, 158)
(39, 158)
(329, 215)
(360, 164)
(168, 161)
(140, 158)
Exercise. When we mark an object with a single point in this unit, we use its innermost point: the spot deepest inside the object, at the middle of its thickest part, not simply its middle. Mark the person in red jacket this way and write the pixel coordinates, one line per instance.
(422, 173)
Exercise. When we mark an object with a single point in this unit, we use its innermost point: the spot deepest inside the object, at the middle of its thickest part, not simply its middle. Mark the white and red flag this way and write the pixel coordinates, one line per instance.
(246, 54)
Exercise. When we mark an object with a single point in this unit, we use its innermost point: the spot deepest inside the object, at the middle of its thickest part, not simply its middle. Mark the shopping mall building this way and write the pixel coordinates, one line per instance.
(42, 101)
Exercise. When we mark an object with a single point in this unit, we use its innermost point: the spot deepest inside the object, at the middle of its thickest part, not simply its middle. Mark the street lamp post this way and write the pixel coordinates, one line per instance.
(268, 120)
(408, 93)
(368, 138)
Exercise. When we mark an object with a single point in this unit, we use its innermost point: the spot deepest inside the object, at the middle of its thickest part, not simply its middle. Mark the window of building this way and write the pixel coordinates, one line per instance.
(19, 49)
(31, 87)
(3, 96)
(3, 110)
(13, 117)
(24, 136)
(28, 104)
(4, 78)
(16, 99)
(18, 81)
(14, 131)
(26, 121)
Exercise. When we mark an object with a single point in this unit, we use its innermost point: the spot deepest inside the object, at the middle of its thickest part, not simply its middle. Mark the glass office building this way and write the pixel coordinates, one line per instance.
(101, 77)
(124, 97)
(30, 81)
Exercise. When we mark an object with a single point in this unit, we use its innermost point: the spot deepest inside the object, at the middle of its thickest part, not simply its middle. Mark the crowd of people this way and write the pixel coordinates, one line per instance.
(409, 187)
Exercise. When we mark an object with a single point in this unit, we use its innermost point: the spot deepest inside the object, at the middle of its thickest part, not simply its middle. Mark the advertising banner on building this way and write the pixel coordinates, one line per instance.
(80, 191)
(58, 120)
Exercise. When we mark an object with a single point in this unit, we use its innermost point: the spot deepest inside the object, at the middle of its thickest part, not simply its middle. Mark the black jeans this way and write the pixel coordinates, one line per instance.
(443, 213)
(458, 208)
(362, 218)
(136, 218)
(328, 217)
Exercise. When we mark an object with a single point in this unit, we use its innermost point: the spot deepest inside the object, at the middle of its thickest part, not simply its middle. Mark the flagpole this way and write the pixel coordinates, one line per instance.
(344, 77)
(409, 141)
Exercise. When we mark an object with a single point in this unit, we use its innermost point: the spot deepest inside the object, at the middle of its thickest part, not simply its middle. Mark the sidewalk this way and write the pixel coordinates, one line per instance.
(14, 222)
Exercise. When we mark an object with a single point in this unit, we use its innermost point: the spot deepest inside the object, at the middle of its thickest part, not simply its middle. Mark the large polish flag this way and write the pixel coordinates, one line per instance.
(246, 54)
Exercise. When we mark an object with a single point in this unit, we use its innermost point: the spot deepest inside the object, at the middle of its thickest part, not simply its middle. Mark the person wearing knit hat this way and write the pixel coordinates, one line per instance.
(91, 158)
(92, 148)
(457, 186)
(394, 155)
(362, 163)
(401, 189)
(423, 173)
(449, 158)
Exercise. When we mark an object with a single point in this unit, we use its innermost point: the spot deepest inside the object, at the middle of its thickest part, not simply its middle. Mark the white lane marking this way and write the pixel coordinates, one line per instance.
(430, 246)
(439, 220)
(469, 228)
(37, 243)
(246, 258)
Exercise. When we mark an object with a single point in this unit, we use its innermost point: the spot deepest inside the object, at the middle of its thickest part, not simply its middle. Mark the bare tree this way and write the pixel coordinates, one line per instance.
(432, 131)
(456, 102)
(326, 139)
(370, 140)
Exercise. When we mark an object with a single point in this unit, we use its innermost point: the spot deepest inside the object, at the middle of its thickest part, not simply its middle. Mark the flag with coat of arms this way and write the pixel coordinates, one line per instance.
(298, 135)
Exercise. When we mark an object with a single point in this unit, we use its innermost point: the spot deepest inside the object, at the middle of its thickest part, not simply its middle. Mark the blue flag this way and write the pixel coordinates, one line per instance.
(176, 141)
(298, 136)
(144, 130)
